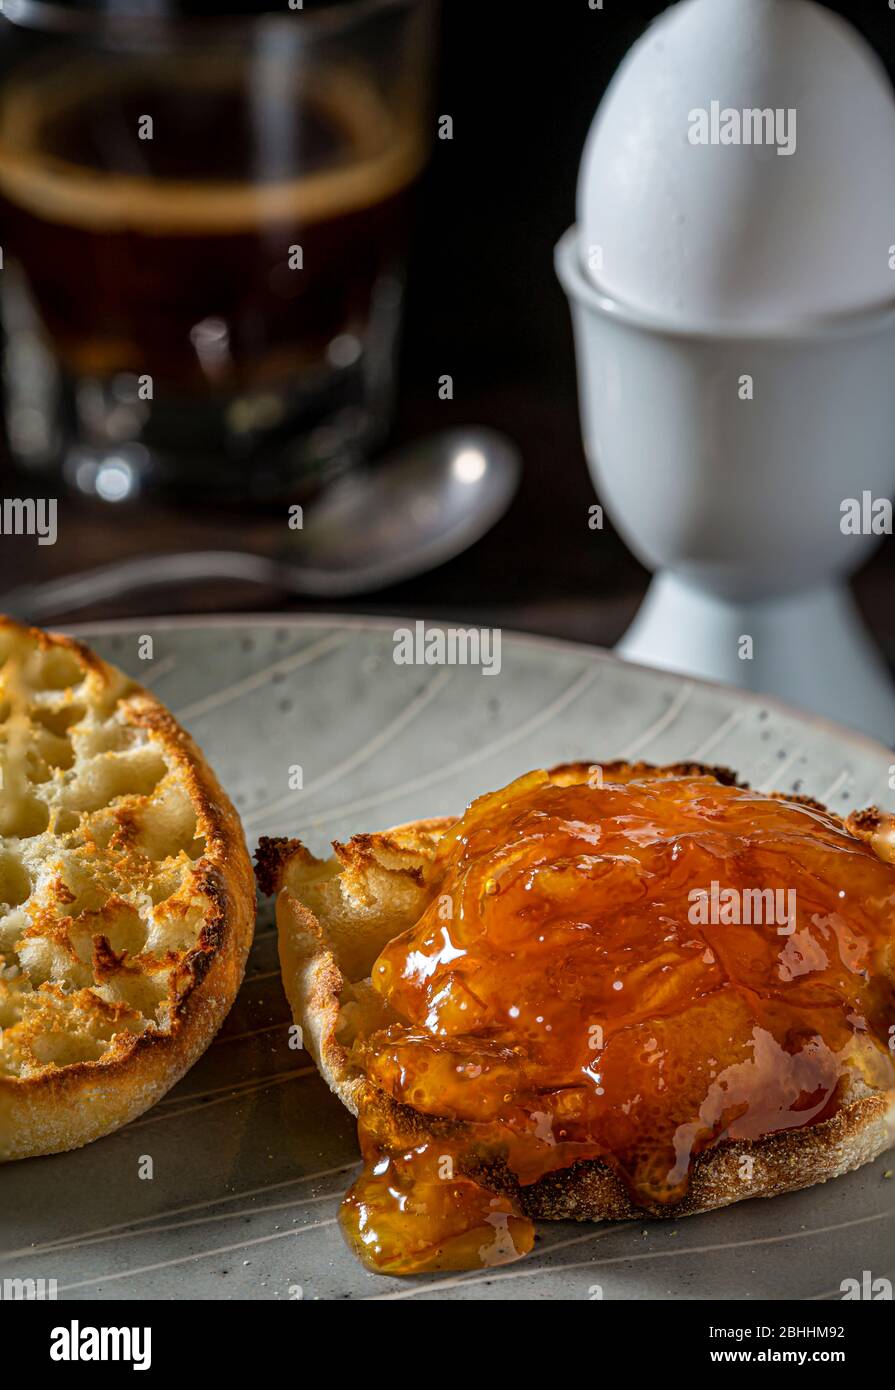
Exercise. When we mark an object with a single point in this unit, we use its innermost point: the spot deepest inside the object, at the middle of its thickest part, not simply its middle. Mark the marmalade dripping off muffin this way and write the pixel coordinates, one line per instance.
(643, 994)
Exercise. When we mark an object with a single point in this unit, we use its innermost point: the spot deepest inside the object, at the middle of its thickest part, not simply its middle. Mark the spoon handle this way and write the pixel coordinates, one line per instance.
(70, 593)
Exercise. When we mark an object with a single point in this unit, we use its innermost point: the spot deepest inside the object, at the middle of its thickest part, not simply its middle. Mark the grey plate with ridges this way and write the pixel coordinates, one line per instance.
(250, 1153)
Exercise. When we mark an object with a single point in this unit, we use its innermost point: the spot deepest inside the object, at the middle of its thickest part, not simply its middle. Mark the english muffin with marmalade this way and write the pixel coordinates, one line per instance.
(603, 992)
(126, 897)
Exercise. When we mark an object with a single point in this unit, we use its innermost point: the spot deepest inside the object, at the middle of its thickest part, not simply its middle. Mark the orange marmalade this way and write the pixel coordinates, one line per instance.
(631, 973)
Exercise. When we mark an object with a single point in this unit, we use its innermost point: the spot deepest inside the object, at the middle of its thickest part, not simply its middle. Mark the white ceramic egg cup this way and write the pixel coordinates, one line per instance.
(736, 503)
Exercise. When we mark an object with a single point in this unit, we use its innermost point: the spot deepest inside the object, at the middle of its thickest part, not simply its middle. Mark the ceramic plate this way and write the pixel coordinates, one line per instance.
(250, 1153)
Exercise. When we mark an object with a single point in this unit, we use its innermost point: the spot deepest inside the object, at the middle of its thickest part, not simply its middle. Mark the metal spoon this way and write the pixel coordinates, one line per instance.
(374, 527)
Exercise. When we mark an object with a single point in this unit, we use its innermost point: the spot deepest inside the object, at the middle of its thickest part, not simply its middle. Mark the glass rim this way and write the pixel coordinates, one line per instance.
(48, 17)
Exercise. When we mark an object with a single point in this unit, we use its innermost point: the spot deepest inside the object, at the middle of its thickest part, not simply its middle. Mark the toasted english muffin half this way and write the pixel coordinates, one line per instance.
(127, 899)
(335, 916)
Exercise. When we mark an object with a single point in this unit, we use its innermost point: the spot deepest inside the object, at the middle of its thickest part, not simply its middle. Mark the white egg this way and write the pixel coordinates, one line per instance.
(795, 225)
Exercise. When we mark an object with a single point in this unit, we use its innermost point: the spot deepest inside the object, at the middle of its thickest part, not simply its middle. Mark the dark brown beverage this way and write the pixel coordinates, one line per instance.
(238, 250)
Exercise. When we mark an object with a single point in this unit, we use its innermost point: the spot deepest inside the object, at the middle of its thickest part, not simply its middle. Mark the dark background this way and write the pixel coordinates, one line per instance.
(521, 79)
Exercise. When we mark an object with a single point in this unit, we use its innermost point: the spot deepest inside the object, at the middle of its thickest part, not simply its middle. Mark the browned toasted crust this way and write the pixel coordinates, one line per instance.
(68, 1106)
(272, 854)
(335, 1004)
